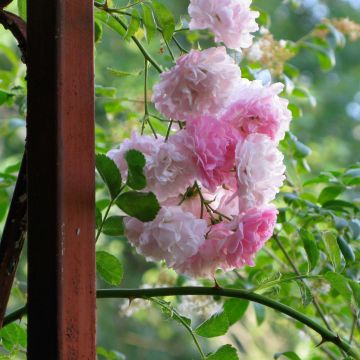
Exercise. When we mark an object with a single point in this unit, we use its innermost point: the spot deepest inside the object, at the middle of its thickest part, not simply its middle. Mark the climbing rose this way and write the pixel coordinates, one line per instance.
(233, 245)
(201, 82)
(260, 171)
(167, 170)
(211, 146)
(174, 236)
(259, 109)
(231, 21)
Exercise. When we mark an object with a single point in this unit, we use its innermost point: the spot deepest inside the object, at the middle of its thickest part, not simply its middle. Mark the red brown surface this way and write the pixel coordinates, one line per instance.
(61, 307)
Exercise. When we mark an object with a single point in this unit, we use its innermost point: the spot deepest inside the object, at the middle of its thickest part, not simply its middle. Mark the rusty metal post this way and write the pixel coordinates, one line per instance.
(60, 149)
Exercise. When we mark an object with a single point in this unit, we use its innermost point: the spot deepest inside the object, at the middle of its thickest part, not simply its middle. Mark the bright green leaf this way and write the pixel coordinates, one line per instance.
(235, 309)
(22, 8)
(134, 24)
(110, 174)
(143, 206)
(346, 249)
(13, 336)
(226, 352)
(109, 267)
(109, 21)
(332, 250)
(149, 23)
(355, 287)
(310, 247)
(288, 355)
(340, 284)
(330, 193)
(216, 325)
(166, 19)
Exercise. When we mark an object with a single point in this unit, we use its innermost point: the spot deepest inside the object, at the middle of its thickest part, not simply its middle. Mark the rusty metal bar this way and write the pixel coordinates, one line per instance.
(60, 148)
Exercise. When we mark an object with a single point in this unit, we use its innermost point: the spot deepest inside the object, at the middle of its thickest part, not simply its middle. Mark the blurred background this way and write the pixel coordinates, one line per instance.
(331, 128)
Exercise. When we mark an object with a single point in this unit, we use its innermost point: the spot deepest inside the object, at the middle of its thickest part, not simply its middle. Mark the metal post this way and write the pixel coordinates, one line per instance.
(60, 149)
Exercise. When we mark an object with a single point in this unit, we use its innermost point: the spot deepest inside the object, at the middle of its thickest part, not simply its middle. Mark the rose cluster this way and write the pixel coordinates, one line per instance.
(216, 176)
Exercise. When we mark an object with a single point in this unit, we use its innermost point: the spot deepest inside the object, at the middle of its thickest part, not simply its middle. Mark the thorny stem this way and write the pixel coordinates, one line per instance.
(145, 53)
(326, 335)
(296, 270)
(179, 318)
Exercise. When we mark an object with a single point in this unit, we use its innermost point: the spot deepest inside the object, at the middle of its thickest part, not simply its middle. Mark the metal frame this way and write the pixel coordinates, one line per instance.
(60, 151)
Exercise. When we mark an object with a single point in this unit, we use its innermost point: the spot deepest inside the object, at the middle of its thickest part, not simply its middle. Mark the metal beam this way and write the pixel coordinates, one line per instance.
(60, 149)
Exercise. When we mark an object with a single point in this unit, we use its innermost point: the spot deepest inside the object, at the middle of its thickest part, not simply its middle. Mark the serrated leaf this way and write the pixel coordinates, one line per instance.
(311, 248)
(166, 19)
(143, 206)
(288, 355)
(235, 309)
(330, 193)
(226, 352)
(149, 23)
(216, 325)
(260, 313)
(133, 25)
(340, 284)
(136, 162)
(110, 174)
(109, 268)
(114, 226)
(332, 250)
(306, 296)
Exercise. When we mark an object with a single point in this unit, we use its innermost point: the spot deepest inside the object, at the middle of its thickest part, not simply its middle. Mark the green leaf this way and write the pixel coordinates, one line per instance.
(325, 55)
(13, 335)
(330, 193)
(109, 268)
(340, 284)
(136, 162)
(287, 354)
(332, 250)
(134, 25)
(149, 22)
(110, 174)
(114, 226)
(305, 94)
(98, 31)
(355, 287)
(98, 217)
(306, 296)
(259, 313)
(310, 246)
(346, 249)
(226, 352)
(22, 8)
(143, 206)
(235, 309)
(216, 325)
(109, 21)
(102, 91)
(166, 19)
(121, 74)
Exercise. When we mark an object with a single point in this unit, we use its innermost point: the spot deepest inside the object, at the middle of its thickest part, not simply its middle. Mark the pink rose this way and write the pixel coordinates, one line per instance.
(259, 109)
(211, 146)
(174, 236)
(260, 171)
(233, 245)
(167, 167)
(201, 82)
(231, 21)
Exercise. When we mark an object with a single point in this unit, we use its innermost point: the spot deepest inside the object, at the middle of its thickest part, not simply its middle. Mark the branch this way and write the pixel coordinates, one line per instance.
(17, 26)
(326, 335)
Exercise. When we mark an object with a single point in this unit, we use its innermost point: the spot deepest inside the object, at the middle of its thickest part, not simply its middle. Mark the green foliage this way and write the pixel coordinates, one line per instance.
(226, 352)
(114, 226)
(143, 206)
(110, 174)
(288, 355)
(165, 18)
(136, 162)
(109, 268)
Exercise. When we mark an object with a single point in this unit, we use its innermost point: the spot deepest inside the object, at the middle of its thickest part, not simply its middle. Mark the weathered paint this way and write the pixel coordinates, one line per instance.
(60, 147)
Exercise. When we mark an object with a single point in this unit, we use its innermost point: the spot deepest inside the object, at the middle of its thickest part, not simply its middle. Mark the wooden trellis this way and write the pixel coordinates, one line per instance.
(59, 173)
